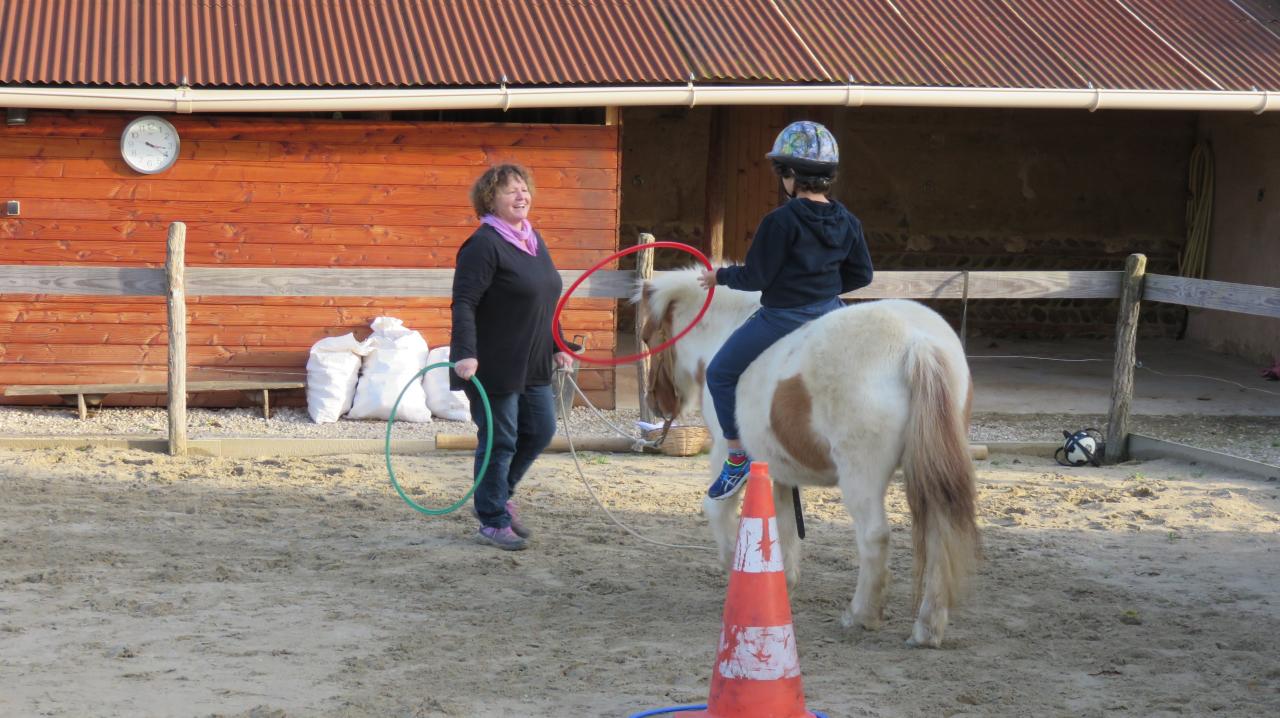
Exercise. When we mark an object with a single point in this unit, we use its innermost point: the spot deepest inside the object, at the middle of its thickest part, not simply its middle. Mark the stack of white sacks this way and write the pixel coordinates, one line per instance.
(362, 380)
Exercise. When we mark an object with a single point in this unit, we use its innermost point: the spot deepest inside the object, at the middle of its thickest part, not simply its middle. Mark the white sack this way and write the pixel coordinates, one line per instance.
(451, 405)
(396, 355)
(333, 368)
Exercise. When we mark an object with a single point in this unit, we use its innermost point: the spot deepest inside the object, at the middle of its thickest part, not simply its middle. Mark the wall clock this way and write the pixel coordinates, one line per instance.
(149, 144)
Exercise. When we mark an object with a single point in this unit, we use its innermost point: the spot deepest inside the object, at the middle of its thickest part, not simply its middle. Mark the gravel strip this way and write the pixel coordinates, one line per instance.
(1250, 437)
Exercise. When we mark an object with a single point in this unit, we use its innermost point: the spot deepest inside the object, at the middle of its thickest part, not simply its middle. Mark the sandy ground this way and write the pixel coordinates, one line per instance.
(135, 584)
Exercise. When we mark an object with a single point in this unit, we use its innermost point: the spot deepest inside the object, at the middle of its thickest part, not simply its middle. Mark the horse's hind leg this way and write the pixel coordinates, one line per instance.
(864, 499)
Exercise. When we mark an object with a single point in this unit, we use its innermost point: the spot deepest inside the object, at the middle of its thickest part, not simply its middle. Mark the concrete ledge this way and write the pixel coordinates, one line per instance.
(248, 447)
(1145, 447)
(1026, 448)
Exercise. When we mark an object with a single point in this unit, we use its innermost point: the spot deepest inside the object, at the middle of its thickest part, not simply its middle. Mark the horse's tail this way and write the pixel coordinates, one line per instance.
(940, 480)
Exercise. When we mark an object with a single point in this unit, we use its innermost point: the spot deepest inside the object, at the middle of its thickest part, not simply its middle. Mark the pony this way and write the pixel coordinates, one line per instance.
(841, 401)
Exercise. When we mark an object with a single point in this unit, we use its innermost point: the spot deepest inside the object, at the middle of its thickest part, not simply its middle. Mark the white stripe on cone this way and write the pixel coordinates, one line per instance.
(758, 550)
(758, 653)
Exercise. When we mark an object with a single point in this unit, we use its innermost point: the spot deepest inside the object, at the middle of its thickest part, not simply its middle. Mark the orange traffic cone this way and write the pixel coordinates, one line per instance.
(757, 670)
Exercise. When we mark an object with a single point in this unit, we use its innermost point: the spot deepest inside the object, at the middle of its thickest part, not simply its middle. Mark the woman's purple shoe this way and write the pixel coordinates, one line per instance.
(503, 538)
(516, 524)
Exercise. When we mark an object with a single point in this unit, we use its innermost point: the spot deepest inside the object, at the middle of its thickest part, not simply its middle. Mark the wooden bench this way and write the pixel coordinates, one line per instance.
(87, 395)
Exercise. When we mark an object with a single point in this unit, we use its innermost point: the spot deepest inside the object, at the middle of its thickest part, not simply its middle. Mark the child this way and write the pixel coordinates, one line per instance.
(804, 255)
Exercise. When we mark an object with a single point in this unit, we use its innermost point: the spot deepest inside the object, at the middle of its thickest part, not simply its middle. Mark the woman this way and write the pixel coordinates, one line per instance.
(505, 290)
(804, 255)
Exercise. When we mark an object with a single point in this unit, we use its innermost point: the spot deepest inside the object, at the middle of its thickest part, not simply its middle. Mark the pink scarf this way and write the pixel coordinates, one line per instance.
(523, 238)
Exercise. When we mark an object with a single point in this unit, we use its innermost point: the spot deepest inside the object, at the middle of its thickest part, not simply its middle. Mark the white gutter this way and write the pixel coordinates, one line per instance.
(185, 100)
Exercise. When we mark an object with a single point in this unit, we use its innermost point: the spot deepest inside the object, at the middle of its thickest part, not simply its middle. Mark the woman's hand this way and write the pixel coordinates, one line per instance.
(707, 279)
(563, 361)
(466, 368)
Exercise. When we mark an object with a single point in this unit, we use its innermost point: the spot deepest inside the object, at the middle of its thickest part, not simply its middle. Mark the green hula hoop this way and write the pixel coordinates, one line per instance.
(488, 443)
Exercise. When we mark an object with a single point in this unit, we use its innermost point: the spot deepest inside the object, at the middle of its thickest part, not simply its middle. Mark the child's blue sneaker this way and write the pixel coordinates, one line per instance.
(732, 477)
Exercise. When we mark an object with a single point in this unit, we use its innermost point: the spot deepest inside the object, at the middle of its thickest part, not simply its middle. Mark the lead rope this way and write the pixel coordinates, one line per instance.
(641, 443)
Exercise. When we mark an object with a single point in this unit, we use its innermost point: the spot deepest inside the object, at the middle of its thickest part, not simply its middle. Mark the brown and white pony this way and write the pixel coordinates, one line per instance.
(841, 401)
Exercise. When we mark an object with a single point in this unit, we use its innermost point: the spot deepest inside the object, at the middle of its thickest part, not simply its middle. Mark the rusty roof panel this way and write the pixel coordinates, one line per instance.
(334, 43)
(548, 42)
(740, 40)
(866, 40)
(1109, 46)
(984, 45)
(1232, 46)
(1130, 44)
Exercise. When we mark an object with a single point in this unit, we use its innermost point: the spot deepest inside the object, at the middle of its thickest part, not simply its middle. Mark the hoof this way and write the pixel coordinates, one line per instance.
(924, 640)
(849, 619)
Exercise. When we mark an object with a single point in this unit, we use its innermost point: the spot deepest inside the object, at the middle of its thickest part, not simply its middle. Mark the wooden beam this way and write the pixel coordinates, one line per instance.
(1210, 294)
(644, 272)
(614, 444)
(106, 280)
(176, 301)
(308, 282)
(1117, 449)
(716, 152)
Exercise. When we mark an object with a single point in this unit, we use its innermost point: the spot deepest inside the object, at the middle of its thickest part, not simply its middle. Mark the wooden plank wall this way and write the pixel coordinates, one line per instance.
(751, 188)
(268, 192)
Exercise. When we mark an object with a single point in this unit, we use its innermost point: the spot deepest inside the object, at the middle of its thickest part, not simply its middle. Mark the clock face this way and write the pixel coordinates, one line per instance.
(149, 144)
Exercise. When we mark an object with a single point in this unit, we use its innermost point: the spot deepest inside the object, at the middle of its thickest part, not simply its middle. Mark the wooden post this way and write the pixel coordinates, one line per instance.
(176, 298)
(716, 181)
(1117, 449)
(644, 272)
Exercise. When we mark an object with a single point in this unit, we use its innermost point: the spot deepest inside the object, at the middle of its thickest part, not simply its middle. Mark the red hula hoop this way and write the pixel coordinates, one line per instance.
(614, 361)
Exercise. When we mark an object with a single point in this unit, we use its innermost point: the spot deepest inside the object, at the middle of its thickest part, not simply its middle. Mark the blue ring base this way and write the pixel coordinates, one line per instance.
(703, 707)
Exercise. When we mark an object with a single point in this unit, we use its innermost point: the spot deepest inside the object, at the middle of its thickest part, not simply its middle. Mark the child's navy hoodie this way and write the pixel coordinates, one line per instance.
(804, 252)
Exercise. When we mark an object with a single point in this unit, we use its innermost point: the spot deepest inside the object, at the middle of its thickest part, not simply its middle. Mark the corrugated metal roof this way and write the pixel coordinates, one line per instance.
(334, 43)
(868, 41)
(740, 40)
(1111, 44)
(983, 44)
(1233, 47)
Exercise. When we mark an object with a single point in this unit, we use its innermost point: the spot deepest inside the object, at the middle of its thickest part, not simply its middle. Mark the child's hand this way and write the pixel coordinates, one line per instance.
(707, 279)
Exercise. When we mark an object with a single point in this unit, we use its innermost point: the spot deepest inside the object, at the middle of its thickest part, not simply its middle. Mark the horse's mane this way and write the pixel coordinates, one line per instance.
(681, 285)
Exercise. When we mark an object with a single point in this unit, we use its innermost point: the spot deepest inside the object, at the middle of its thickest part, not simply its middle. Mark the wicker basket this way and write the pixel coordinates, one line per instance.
(682, 440)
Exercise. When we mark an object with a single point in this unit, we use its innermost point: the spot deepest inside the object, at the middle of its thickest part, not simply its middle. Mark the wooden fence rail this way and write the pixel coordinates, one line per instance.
(269, 282)
(1131, 286)
(1210, 294)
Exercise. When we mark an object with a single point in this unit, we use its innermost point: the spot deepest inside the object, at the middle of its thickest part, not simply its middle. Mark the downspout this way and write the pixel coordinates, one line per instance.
(185, 100)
